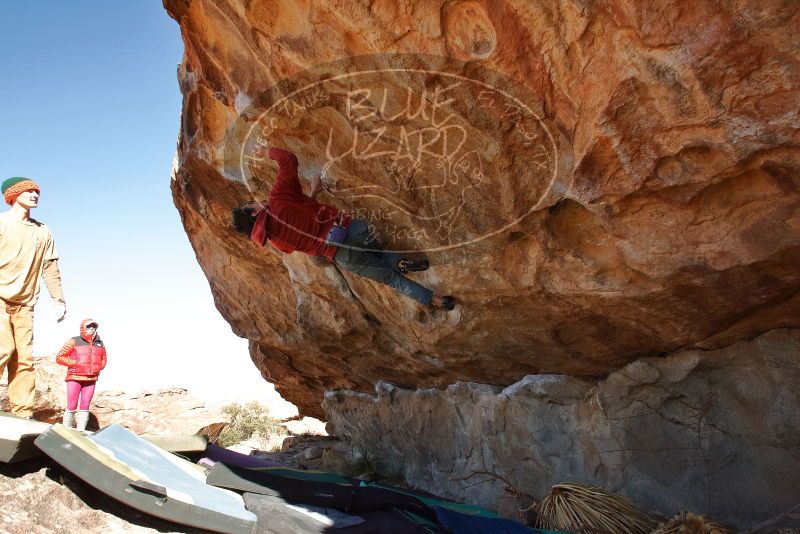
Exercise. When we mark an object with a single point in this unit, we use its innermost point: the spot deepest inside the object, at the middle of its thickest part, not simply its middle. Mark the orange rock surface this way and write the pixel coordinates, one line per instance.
(594, 181)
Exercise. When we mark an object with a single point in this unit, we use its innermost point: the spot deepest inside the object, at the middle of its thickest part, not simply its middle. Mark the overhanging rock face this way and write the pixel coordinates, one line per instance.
(715, 432)
(595, 182)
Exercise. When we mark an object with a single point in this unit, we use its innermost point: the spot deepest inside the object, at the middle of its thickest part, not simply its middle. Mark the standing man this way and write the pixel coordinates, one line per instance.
(27, 252)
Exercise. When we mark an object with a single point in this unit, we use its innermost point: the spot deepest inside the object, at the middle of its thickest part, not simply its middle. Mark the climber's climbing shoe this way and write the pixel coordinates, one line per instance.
(406, 266)
(448, 304)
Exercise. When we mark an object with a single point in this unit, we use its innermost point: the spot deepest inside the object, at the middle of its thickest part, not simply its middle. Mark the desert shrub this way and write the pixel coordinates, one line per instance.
(365, 461)
(249, 421)
(361, 460)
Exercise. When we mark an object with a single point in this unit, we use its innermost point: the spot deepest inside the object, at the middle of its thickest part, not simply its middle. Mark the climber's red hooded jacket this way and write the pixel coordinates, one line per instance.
(84, 355)
(294, 220)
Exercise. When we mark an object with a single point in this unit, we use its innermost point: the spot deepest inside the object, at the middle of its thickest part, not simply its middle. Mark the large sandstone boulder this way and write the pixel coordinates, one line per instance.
(595, 181)
(713, 432)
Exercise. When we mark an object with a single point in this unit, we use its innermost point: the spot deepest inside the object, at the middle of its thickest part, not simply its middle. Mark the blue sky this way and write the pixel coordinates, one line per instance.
(90, 109)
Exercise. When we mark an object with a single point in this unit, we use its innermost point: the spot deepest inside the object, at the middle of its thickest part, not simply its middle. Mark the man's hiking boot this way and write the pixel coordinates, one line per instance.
(406, 266)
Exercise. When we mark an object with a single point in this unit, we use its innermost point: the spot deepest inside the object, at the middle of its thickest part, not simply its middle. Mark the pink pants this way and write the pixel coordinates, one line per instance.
(84, 390)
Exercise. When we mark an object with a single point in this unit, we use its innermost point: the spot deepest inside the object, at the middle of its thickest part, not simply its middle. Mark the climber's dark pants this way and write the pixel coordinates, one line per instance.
(360, 255)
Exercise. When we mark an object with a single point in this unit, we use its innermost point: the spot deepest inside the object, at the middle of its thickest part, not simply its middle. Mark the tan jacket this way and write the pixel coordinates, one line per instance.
(27, 252)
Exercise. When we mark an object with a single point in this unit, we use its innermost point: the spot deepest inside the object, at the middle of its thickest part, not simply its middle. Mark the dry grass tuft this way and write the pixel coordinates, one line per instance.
(361, 460)
(688, 523)
(580, 508)
(250, 421)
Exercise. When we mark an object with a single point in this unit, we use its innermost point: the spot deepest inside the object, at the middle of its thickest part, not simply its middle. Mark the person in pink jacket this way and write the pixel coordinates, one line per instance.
(84, 356)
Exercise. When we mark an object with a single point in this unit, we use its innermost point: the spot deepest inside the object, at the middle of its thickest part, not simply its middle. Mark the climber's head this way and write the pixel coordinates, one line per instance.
(245, 214)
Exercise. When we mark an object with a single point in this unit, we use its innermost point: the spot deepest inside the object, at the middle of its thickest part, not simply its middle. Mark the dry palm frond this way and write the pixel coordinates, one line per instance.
(579, 508)
(688, 523)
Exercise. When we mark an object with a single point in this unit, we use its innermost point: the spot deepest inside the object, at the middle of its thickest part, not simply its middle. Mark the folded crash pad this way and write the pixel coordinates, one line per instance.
(278, 516)
(17, 436)
(315, 487)
(147, 478)
(214, 454)
(182, 444)
(464, 523)
(329, 490)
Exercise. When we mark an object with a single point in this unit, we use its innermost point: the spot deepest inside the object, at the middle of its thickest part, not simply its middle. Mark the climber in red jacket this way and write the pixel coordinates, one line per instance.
(84, 356)
(293, 221)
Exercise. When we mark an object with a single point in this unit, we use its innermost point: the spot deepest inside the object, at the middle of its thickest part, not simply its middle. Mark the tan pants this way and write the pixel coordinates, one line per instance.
(16, 352)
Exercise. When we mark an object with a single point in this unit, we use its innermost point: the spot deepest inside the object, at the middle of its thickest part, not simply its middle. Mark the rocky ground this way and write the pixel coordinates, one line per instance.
(40, 497)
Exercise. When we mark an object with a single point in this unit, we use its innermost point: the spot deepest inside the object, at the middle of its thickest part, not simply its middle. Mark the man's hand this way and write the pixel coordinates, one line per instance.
(61, 311)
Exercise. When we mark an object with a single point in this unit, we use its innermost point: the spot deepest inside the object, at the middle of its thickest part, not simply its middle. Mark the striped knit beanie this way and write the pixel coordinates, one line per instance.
(14, 187)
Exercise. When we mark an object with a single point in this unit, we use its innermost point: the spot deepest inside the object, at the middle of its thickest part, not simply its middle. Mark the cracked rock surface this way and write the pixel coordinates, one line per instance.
(595, 181)
(715, 432)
